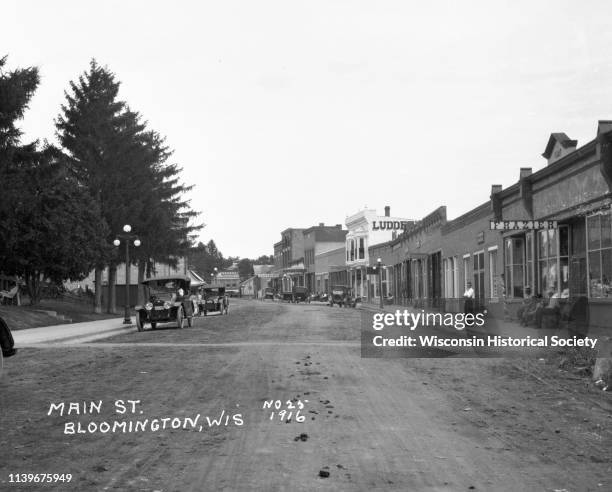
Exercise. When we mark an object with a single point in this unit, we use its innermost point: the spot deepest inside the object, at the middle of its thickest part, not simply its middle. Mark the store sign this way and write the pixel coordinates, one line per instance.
(480, 238)
(522, 225)
(389, 225)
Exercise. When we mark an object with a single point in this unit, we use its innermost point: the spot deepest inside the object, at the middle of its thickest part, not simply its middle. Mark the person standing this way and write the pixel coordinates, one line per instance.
(468, 296)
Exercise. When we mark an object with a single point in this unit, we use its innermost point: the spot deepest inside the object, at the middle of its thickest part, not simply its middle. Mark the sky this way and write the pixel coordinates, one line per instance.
(288, 114)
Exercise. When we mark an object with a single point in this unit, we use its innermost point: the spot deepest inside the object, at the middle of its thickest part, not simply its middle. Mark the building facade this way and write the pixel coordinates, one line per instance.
(365, 229)
(319, 240)
(330, 270)
(289, 260)
(550, 234)
(230, 279)
(570, 256)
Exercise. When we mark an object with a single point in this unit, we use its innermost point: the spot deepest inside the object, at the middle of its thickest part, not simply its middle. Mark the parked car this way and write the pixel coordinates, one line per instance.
(7, 343)
(269, 293)
(343, 296)
(215, 300)
(301, 294)
(169, 300)
(319, 297)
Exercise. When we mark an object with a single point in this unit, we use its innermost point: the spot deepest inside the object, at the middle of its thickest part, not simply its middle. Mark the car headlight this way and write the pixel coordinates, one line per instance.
(149, 306)
(166, 305)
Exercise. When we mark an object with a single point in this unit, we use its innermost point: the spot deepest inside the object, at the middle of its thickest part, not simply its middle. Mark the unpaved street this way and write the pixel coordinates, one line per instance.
(372, 424)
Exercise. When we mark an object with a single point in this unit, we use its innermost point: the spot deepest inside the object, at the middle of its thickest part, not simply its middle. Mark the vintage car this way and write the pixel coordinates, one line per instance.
(168, 301)
(343, 296)
(269, 293)
(301, 294)
(7, 343)
(214, 299)
(318, 297)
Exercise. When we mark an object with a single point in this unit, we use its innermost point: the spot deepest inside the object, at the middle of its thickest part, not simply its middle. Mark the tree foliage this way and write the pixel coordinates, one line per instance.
(204, 258)
(245, 268)
(49, 226)
(126, 168)
(264, 260)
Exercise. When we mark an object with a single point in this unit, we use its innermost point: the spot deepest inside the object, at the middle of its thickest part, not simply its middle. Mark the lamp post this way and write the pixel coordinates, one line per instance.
(127, 237)
(380, 296)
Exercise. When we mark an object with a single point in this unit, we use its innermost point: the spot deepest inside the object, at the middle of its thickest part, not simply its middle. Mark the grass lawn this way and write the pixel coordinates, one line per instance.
(26, 316)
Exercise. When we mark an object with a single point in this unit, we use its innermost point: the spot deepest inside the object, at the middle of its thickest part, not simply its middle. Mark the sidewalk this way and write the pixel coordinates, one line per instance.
(71, 333)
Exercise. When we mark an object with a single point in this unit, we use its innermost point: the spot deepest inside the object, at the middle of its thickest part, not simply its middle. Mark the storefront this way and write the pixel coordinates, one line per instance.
(556, 226)
(366, 229)
(411, 271)
(471, 253)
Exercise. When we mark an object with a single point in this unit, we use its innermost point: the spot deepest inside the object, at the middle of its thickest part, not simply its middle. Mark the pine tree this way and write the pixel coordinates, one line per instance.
(49, 229)
(125, 167)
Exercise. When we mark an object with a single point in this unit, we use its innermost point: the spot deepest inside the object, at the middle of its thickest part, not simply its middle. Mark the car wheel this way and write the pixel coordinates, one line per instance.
(139, 322)
(179, 318)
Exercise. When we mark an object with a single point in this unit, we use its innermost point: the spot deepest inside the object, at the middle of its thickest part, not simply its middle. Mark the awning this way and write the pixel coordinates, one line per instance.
(581, 210)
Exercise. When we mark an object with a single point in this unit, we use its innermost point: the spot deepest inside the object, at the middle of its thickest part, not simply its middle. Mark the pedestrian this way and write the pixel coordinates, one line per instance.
(468, 296)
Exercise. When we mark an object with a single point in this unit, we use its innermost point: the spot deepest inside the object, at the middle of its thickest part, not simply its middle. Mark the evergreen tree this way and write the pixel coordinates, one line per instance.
(126, 169)
(49, 229)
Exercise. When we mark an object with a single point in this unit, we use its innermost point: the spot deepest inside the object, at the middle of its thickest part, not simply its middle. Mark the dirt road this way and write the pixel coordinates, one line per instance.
(370, 424)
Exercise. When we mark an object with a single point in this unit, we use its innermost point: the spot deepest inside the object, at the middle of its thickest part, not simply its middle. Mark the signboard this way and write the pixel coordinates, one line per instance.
(480, 237)
(522, 225)
(390, 225)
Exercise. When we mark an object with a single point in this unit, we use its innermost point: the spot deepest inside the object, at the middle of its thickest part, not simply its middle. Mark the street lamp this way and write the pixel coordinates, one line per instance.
(380, 296)
(127, 237)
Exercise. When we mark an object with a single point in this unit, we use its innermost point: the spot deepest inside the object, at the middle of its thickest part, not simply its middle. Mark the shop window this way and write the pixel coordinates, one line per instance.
(447, 285)
(514, 266)
(466, 271)
(578, 264)
(599, 246)
(493, 272)
(450, 277)
(553, 261)
(479, 275)
(418, 279)
(456, 276)
(529, 253)
(386, 281)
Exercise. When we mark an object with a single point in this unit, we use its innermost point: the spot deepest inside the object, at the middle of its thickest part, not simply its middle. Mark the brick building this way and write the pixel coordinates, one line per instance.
(317, 241)
(330, 270)
(551, 231)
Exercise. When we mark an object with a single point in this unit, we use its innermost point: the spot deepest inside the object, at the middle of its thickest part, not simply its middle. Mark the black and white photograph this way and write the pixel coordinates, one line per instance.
(286, 246)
